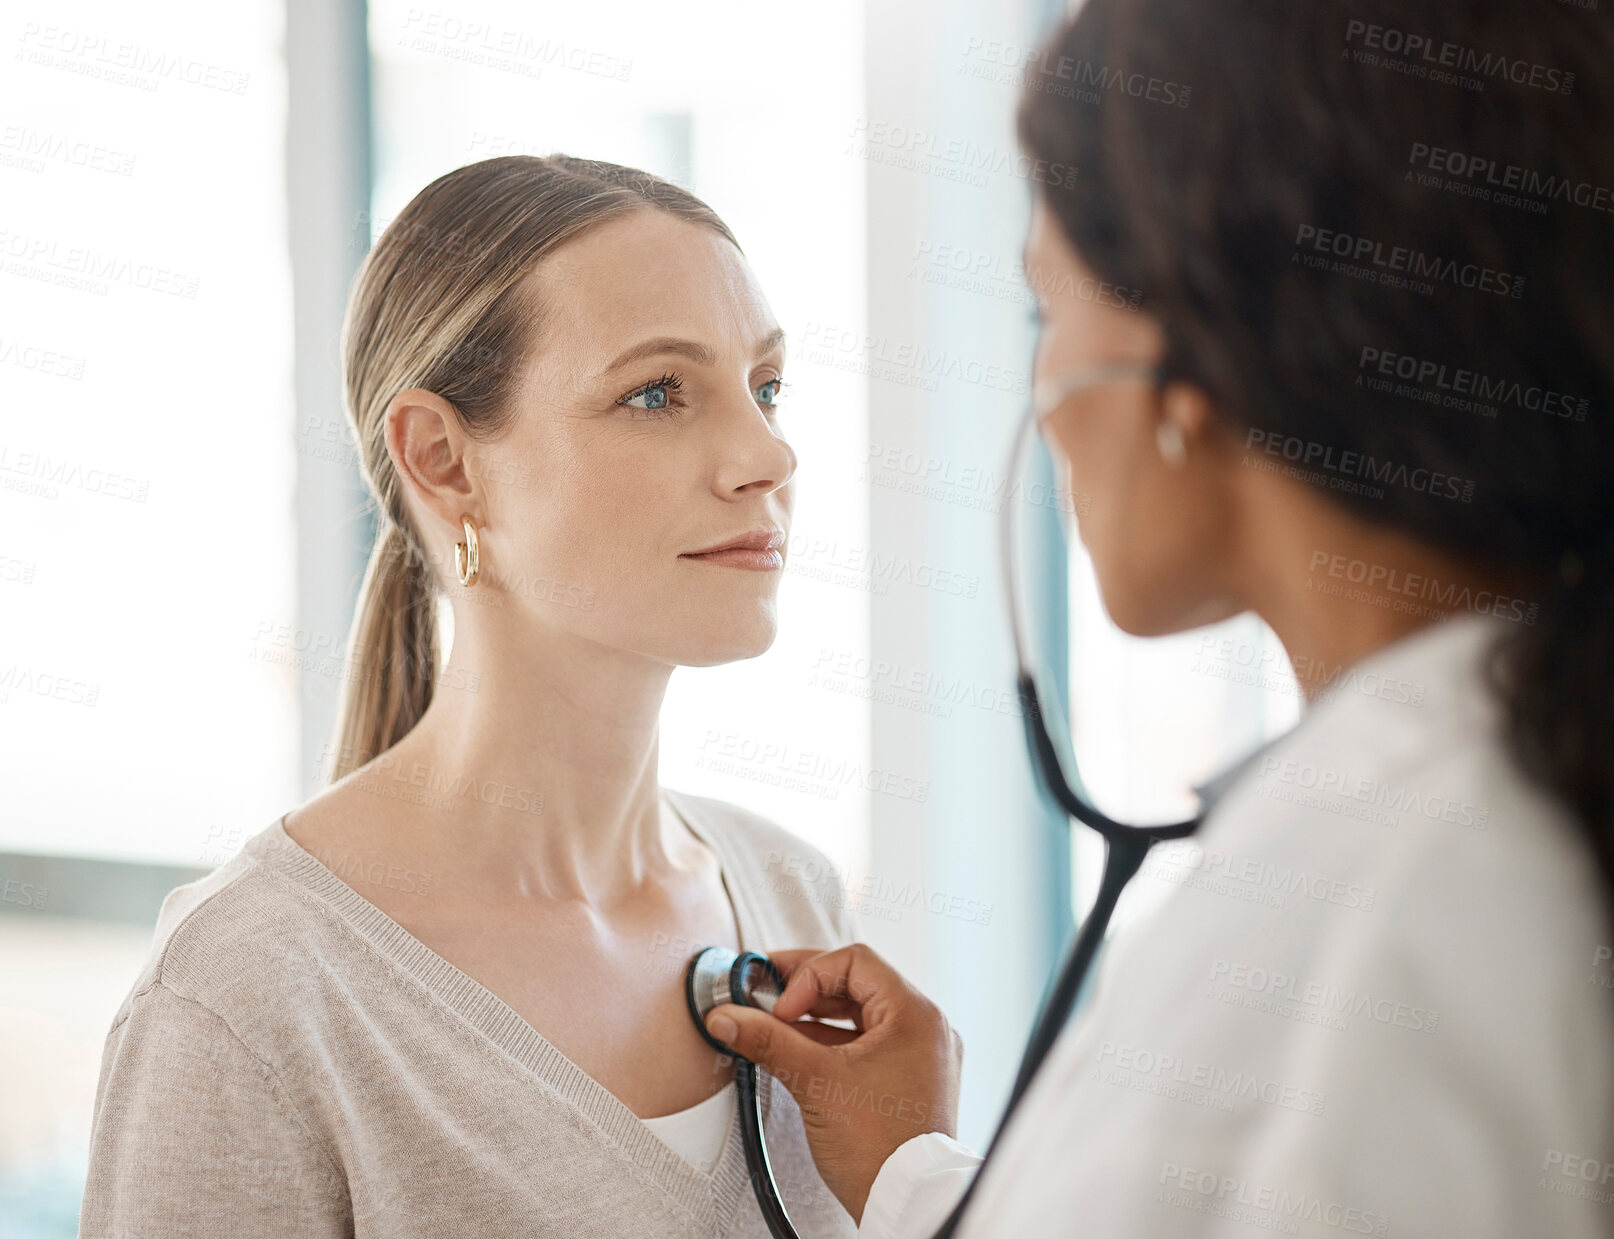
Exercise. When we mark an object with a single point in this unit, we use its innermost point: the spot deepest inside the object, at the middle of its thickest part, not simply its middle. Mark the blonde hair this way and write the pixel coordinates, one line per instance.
(439, 304)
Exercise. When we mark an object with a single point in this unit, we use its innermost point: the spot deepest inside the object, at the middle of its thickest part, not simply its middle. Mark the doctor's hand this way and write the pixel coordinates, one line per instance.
(861, 1093)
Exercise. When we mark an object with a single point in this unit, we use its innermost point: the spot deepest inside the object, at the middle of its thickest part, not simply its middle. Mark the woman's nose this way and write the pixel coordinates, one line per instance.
(755, 451)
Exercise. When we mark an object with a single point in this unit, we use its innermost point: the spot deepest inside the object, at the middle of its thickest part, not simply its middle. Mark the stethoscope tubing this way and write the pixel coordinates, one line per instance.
(1122, 859)
(1125, 846)
(748, 1093)
(759, 1167)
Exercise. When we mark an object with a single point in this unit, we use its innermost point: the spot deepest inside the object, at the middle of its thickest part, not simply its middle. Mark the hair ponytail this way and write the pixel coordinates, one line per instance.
(443, 303)
(393, 645)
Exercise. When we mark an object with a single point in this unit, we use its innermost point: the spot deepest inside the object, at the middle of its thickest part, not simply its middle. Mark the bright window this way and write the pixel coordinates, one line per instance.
(146, 452)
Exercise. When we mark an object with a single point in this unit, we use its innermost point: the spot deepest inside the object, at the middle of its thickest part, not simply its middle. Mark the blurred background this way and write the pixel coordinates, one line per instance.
(187, 189)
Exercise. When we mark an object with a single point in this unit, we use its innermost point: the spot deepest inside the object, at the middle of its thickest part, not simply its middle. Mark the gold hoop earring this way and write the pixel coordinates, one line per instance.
(1173, 449)
(467, 554)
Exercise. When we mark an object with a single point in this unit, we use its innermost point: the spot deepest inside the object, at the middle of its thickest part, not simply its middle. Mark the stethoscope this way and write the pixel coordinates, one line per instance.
(717, 974)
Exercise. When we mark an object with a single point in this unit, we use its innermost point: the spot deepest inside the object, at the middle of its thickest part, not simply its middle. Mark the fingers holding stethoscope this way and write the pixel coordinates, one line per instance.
(830, 985)
(862, 1092)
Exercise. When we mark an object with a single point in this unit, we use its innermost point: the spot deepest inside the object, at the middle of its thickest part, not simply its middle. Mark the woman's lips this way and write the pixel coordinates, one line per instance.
(753, 561)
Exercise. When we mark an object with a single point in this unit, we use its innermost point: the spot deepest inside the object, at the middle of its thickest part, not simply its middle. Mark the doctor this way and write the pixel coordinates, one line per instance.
(1374, 243)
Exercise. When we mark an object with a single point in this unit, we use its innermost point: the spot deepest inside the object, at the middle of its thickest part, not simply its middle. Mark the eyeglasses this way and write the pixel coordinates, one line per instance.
(1049, 395)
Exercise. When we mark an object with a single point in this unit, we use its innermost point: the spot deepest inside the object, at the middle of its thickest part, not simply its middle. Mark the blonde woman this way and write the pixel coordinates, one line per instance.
(444, 997)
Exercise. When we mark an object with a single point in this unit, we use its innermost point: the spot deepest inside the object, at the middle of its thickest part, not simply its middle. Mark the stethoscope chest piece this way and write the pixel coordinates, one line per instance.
(718, 975)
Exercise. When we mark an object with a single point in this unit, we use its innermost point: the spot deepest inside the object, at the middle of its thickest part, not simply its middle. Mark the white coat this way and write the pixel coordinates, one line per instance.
(1377, 1002)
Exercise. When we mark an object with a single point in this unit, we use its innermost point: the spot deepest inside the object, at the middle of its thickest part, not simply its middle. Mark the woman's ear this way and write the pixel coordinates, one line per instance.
(427, 447)
(1188, 408)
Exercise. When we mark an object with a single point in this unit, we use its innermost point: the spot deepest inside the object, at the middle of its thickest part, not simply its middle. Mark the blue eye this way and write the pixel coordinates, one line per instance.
(773, 397)
(656, 396)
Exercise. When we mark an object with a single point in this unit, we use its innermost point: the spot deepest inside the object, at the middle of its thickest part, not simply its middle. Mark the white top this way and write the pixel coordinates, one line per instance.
(1376, 1002)
(698, 1134)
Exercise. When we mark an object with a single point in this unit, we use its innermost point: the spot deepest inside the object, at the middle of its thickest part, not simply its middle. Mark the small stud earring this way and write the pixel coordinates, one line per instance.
(1173, 450)
(467, 554)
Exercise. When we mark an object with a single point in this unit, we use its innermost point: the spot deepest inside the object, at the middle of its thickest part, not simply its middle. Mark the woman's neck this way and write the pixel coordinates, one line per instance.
(538, 771)
(1335, 589)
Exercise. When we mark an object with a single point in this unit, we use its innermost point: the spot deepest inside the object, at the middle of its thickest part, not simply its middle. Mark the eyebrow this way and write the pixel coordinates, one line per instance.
(695, 351)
